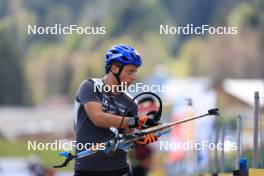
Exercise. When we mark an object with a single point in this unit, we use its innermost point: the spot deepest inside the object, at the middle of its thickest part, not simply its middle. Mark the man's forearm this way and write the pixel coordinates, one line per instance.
(107, 120)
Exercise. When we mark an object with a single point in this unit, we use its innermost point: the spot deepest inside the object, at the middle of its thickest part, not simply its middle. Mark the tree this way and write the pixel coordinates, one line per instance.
(12, 82)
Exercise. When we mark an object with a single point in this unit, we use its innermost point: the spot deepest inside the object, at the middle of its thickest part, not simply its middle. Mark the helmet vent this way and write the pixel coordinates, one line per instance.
(124, 58)
(114, 52)
(135, 59)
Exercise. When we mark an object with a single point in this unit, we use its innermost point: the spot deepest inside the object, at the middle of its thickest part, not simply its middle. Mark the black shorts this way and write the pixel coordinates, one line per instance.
(120, 172)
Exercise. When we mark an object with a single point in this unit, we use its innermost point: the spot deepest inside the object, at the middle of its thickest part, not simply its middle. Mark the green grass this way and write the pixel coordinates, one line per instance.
(19, 149)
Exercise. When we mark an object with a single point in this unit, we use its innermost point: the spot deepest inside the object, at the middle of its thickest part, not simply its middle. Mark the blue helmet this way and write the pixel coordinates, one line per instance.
(123, 54)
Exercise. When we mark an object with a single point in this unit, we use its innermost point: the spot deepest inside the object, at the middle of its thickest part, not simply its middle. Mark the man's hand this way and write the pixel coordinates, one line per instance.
(129, 130)
(144, 121)
(149, 138)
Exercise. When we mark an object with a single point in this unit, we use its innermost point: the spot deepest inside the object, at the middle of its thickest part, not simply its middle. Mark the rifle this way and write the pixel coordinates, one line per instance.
(127, 142)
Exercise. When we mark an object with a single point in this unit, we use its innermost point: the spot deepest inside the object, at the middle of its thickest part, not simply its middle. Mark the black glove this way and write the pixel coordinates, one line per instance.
(144, 121)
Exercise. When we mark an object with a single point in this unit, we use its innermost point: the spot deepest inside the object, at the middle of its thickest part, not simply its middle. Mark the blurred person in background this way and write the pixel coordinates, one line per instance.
(143, 154)
(144, 158)
(35, 166)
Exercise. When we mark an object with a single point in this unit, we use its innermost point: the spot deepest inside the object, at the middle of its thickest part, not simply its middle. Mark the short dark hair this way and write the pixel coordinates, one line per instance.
(108, 67)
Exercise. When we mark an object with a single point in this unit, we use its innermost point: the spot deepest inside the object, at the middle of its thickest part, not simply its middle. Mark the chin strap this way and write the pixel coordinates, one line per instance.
(116, 75)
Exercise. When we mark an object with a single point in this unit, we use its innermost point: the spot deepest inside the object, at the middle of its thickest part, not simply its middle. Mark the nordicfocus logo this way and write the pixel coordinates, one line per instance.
(64, 145)
(190, 29)
(58, 29)
(190, 145)
(137, 87)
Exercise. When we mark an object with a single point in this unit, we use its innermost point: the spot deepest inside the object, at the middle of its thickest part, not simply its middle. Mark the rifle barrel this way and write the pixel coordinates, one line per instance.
(167, 125)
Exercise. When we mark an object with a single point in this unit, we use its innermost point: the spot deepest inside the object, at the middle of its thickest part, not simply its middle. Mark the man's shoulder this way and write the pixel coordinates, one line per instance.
(87, 90)
(96, 81)
(85, 84)
(89, 84)
(91, 81)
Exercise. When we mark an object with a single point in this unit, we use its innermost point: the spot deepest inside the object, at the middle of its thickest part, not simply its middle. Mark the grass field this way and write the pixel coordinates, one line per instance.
(19, 148)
